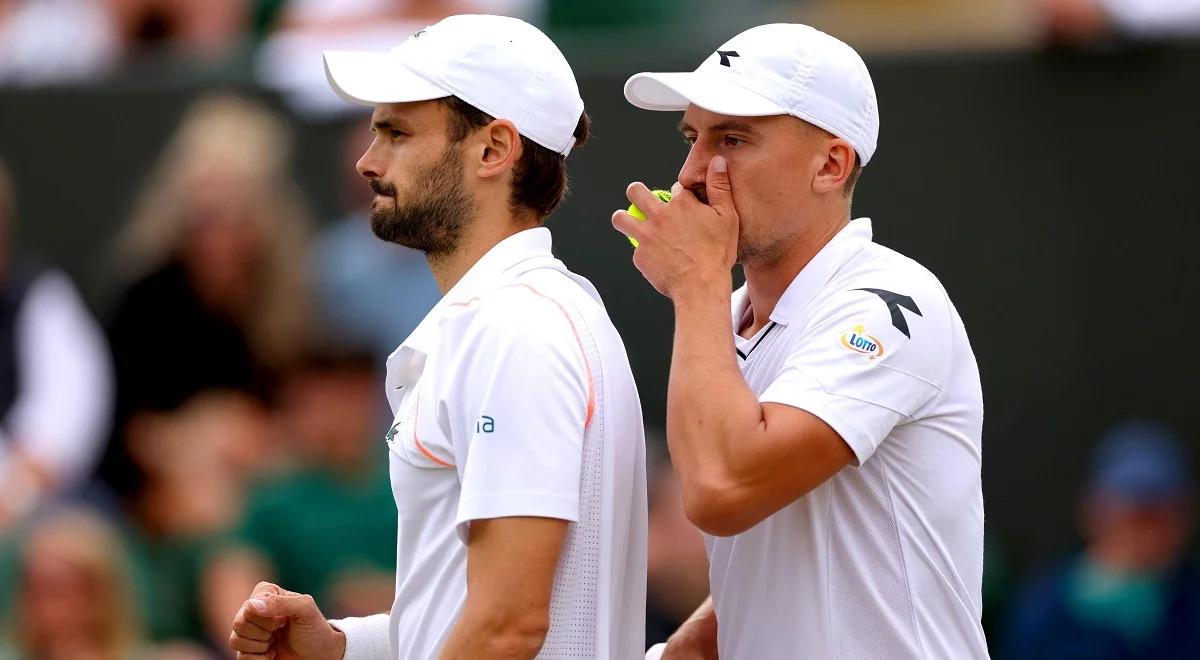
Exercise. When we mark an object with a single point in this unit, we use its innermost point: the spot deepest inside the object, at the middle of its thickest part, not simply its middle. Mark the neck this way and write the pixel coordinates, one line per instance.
(767, 282)
(481, 235)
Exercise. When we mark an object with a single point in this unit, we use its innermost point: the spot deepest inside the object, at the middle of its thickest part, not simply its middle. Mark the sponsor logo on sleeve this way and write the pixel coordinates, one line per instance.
(859, 340)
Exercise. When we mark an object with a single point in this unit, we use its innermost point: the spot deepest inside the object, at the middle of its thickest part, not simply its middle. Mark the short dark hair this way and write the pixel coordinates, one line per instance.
(852, 180)
(540, 177)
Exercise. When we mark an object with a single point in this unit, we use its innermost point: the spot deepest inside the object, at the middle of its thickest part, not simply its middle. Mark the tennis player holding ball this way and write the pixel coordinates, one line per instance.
(516, 455)
(827, 435)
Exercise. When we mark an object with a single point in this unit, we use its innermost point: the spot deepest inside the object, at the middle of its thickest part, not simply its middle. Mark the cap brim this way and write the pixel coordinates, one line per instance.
(715, 93)
(370, 78)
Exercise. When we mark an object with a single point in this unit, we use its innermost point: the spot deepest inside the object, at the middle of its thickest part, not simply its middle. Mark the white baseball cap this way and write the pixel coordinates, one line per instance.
(777, 69)
(502, 66)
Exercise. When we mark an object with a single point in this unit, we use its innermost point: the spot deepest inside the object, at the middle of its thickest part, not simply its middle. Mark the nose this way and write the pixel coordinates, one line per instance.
(695, 167)
(369, 165)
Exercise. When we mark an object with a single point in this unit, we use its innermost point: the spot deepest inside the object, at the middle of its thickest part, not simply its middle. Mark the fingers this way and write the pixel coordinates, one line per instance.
(263, 588)
(628, 225)
(639, 194)
(297, 607)
(246, 645)
(252, 626)
(251, 636)
(268, 609)
(256, 612)
(717, 185)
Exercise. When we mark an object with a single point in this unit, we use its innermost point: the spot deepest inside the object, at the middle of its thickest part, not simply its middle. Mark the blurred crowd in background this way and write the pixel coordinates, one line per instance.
(220, 426)
(215, 418)
(58, 41)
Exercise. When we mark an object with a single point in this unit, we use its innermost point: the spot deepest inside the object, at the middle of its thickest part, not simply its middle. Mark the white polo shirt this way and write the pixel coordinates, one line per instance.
(514, 397)
(885, 559)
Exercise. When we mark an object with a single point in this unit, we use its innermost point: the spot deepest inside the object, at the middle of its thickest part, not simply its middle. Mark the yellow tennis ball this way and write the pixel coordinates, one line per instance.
(664, 195)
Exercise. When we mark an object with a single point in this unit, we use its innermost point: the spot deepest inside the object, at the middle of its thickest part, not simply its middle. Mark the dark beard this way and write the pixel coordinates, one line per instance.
(437, 210)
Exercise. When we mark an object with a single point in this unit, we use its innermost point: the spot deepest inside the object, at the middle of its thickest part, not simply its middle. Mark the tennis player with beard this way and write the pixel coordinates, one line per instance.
(516, 452)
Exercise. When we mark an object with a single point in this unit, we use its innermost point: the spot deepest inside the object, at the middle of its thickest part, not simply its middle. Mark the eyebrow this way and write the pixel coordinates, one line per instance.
(728, 125)
(393, 123)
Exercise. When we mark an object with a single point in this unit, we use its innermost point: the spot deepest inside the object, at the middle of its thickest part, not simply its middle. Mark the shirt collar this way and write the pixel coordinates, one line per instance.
(815, 275)
(503, 257)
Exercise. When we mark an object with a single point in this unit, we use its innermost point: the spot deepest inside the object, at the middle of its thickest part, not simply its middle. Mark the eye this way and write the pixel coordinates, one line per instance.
(731, 141)
(690, 139)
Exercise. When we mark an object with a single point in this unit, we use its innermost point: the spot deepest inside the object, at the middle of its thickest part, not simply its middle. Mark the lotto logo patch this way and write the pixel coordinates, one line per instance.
(859, 340)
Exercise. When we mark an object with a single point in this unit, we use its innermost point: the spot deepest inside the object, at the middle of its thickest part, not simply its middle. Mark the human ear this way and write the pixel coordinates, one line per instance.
(501, 148)
(839, 163)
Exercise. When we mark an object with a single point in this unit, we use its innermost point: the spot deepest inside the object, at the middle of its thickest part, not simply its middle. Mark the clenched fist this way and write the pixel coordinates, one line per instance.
(277, 624)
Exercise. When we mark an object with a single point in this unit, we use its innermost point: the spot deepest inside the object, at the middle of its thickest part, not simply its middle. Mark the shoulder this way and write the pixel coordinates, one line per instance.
(891, 308)
(880, 275)
(52, 287)
(522, 314)
(889, 286)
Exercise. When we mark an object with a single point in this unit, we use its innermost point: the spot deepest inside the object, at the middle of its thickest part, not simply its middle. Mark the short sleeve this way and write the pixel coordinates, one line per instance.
(522, 405)
(867, 361)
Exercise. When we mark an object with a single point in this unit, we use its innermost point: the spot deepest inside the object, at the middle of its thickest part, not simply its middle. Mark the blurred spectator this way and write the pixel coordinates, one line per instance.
(290, 58)
(1130, 594)
(55, 378)
(205, 30)
(73, 598)
(72, 41)
(57, 41)
(196, 464)
(328, 527)
(216, 255)
(677, 563)
(370, 292)
(1081, 22)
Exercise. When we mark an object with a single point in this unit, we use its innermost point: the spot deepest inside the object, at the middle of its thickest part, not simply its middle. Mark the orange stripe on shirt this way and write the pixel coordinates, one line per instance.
(591, 405)
(417, 441)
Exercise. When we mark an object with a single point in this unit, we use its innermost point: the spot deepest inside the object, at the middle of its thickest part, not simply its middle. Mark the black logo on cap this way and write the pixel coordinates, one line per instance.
(725, 55)
(417, 35)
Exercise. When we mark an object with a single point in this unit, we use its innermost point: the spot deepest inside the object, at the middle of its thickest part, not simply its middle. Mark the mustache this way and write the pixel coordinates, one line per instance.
(381, 188)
